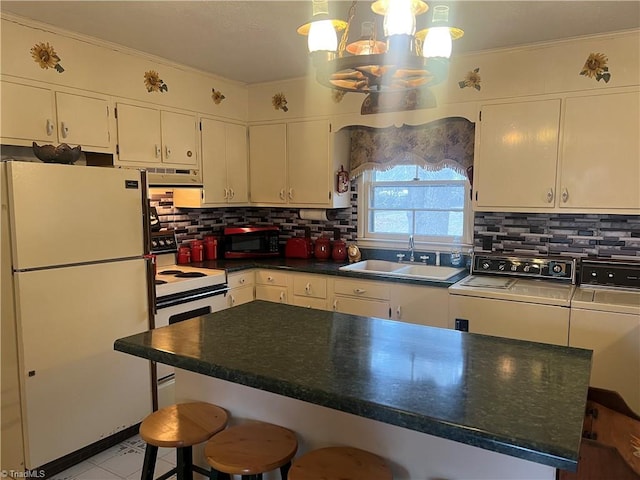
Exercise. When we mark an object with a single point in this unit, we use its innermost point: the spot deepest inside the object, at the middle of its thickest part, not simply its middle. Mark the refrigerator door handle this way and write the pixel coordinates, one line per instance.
(151, 289)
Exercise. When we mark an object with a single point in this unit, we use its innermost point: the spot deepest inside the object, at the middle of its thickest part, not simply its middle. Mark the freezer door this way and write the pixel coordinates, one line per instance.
(66, 214)
(77, 388)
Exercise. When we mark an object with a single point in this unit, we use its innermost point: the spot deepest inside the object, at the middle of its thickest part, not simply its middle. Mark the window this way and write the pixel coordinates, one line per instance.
(433, 206)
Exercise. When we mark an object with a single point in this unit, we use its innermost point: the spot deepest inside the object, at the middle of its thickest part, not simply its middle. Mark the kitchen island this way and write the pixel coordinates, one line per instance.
(434, 402)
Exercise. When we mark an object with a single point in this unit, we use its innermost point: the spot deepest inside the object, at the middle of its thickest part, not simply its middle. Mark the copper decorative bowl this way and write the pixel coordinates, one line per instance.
(63, 153)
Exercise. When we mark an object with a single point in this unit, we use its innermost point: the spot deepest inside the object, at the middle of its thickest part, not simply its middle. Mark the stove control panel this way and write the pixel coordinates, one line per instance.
(164, 242)
(559, 268)
(610, 273)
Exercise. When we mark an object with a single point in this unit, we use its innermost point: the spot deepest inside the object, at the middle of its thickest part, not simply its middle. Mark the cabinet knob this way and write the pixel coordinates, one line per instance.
(157, 147)
(231, 193)
(359, 291)
(167, 152)
(307, 288)
(232, 300)
(49, 127)
(335, 304)
(226, 193)
(282, 196)
(241, 281)
(270, 278)
(399, 312)
(282, 297)
(565, 195)
(291, 194)
(64, 130)
(550, 195)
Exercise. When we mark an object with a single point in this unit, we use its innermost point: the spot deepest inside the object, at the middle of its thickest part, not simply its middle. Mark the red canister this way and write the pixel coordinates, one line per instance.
(210, 248)
(197, 251)
(339, 251)
(323, 248)
(184, 255)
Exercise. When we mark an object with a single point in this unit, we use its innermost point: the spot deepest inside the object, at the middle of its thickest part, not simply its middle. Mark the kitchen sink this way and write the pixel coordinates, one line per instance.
(403, 270)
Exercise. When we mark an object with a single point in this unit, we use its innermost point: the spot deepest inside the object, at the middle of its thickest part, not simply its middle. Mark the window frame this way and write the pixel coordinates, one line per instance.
(370, 239)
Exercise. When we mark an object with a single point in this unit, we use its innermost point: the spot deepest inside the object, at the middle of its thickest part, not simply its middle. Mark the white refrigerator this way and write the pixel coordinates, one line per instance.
(74, 279)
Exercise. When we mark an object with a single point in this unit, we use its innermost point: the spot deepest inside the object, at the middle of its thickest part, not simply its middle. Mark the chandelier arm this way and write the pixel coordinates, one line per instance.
(345, 35)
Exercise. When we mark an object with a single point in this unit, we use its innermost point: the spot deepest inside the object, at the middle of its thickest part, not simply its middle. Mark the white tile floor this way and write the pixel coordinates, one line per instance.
(121, 462)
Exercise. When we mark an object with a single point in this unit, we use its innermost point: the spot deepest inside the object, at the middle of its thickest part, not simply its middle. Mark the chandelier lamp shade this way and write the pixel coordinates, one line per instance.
(403, 60)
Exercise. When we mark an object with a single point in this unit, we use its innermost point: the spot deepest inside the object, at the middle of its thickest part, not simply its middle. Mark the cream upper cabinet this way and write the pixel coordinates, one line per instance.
(268, 163)
(33, 113)
(518, 154)
(151, 137)
(577, 154)
(600, 159)
(225, 175)
(296, 164)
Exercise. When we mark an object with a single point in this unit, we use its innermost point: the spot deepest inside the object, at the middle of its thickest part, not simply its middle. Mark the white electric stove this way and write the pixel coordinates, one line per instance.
(182, 292)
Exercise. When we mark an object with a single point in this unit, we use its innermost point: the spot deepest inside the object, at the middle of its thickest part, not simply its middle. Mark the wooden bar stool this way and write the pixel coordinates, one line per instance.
(180, 426)
(339, 463)
(250, 450)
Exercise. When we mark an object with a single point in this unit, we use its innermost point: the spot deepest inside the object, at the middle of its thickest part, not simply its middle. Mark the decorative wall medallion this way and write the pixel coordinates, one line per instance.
(471, 79)
(45, 56)
(154, 83)
(279, 102)
(596, 67)
(217, 96)
(398, 101)
(337, 95)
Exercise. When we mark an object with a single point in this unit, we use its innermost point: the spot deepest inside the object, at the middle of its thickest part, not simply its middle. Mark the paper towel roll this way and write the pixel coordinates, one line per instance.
(317, 214)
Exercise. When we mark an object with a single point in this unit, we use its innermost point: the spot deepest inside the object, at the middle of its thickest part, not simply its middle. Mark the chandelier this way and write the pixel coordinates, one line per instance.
(405, 60)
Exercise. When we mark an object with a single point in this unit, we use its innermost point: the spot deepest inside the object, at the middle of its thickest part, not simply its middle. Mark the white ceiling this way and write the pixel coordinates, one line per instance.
(256, 41)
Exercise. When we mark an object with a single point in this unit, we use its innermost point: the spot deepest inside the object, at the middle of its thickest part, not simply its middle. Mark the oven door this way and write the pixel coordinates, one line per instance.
(174, 314)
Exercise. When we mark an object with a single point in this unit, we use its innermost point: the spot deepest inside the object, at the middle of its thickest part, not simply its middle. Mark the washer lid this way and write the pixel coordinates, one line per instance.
(607, 300)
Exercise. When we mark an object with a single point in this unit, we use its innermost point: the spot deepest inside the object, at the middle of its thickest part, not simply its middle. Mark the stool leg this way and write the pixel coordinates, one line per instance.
(216, 475)
(183, 457)
(284, 470)
(149, 465)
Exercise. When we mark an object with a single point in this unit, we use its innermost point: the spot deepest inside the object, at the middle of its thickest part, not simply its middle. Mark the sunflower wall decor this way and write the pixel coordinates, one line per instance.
(154, 83)
(596, 67)
(45, 56)
(279, 102)
(217, 96)
(471, 79)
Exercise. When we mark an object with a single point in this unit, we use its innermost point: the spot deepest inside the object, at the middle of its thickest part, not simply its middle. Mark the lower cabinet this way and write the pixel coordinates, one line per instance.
(362, 297)
(310, 291)
(272, 286)
(421, 305)
(241, 288)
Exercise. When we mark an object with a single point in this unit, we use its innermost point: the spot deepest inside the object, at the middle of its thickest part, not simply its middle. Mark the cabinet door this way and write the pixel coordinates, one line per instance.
(83, 120)
(600, 164)
(179, 139)
(421, 305)
(138, 134)
(240, 295)
(272, 293)
(308, 162)
(27, 115)
(518, 155)
(361, 306)
(237, 163)
(267, 163)
(214, 165)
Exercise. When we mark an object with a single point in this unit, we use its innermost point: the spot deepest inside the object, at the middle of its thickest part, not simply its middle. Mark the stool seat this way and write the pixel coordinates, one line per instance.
(251, 449)
(179, 426)
(339, 463)
(183, 424)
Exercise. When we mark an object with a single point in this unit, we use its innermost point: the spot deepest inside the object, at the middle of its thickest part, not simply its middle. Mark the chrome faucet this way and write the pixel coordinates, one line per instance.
(411, 245)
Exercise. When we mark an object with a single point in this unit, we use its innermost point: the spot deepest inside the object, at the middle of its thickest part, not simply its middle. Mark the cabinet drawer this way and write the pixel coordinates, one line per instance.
(361, 306)
(241, 295)
(310, 302)
(241, 279)
(271, 293)
(310, 286)
(362, 289)
(271, 277)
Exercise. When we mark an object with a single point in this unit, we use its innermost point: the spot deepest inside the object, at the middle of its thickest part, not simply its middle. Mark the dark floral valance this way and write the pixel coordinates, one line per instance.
(443, 143)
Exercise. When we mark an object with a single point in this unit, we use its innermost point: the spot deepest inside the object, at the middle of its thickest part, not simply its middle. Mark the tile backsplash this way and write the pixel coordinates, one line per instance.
(576, 235)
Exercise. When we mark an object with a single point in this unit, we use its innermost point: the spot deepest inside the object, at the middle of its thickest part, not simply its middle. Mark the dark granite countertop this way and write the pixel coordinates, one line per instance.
(320, 267)
(514, 397)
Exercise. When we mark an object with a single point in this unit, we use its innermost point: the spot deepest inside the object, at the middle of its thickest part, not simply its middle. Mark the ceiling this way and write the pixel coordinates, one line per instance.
(256, 41)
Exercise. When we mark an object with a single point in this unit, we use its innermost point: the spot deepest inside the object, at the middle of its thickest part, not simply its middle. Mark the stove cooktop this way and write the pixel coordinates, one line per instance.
(184, 278)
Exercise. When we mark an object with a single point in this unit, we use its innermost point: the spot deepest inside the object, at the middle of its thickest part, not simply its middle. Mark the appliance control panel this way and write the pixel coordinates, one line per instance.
(164, 242)
(610, 273)
(559, 268)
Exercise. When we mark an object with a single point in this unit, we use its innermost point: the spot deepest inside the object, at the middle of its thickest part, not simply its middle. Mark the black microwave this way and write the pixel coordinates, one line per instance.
(251, 242)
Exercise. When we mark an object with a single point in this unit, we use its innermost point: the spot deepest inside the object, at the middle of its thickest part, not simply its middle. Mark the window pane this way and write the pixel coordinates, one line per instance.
(390, 197)
(441, 197)
(390, 221)
(439, 223)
